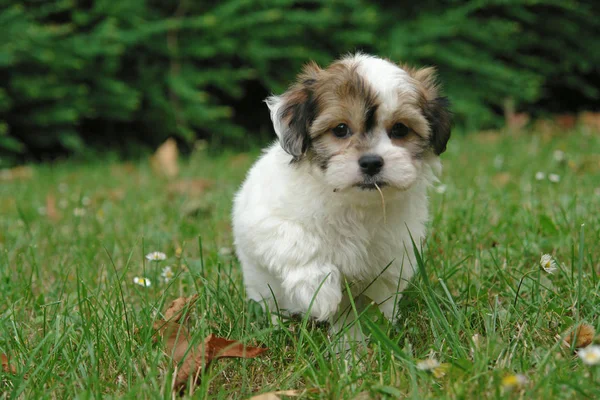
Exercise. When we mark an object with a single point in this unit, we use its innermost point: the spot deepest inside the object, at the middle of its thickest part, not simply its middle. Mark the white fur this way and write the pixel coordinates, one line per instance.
(298, 240)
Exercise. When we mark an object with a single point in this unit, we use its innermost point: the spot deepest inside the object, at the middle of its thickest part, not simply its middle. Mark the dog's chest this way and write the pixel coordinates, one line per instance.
(361, 244)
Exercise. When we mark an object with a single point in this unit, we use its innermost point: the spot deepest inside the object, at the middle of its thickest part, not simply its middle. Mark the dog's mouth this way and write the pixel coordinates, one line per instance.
(370, 185)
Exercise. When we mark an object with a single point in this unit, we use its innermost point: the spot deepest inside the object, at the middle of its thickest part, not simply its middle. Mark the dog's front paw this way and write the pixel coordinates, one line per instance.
(316, 289)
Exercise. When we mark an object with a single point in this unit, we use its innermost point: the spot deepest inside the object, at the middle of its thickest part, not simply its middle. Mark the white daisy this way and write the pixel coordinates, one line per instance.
(540, 176)
(548, 264)
(499, 161)
(554, 178)
(78, 212)
(437, 369)
(559, 155)
(167, 274)
(590, 355)
(145, 282)
(441, 189)
(428, 365)
(156, 256)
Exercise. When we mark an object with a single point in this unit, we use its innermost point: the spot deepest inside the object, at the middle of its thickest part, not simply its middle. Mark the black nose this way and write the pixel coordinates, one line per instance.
(370, 164)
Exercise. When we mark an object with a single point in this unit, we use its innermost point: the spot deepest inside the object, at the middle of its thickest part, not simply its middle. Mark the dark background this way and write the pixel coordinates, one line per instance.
(122, 76)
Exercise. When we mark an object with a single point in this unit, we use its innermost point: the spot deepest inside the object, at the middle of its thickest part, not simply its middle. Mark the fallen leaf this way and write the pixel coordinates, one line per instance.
(17, 173)
(164, 160)
(6, 367)
(51, 210)
(501, 179)
(590, 120)
(517, 121)
(565, 121)
(190, 187)
(584, 337)
(192, 360)
(178, 307)
(275, 395)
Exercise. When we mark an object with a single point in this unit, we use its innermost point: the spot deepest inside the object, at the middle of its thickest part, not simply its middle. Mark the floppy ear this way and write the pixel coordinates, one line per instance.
(293, 112)
(436, 108)
(437, 112)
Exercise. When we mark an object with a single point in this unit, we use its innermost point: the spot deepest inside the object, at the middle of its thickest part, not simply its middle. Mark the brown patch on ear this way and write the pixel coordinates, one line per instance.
(436, 108)
(298, 111)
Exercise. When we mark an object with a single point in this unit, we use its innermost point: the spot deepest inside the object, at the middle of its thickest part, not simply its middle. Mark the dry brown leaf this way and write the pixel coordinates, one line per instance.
(585, 336)
(501, 179)
(517, 121)
(192, 360)
(179, 307)
(51, 210)
(590, 120)
(17, 173)
(164, 160)
(565, 121)
(6, 367)
(190, 187)
(275, 395)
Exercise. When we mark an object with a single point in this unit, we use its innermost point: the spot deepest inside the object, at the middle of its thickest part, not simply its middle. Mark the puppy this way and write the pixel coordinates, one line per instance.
(334, 202)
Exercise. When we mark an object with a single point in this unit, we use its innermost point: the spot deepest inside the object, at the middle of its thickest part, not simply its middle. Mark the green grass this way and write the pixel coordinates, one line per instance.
(74, 324)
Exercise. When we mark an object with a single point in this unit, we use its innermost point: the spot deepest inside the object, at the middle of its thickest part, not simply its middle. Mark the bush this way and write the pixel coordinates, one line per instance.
(121, 72)
(491, 51)
(124, 73)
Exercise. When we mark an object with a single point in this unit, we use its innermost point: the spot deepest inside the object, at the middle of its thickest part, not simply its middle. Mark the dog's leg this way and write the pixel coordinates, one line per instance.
(386, 294)
(315, 287)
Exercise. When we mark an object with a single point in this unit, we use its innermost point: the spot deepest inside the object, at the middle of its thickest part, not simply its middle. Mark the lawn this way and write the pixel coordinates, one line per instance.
(74, 324)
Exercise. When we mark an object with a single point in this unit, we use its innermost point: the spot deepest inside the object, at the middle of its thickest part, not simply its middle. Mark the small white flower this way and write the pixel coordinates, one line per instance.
(548, 264)
(428, 365)
(590, 355)
(559, 155)
(499, 161)
(121, 380)
(63, 203)
(145, 282)
(78, 212)
(63, 187)
(42, 210)
(597, 191)
(433, 366)
(156, 256)
(225, 251)
(167, 274)
(554, 178)
(540, 176)
(86, 201)
(441, 189)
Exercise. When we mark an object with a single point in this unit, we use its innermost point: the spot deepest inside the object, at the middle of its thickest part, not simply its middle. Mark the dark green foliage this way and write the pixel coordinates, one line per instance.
(129, 72)
(489, 51)
(116, 71)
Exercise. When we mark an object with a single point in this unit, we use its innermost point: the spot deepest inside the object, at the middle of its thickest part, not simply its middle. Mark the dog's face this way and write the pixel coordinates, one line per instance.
(363, 122)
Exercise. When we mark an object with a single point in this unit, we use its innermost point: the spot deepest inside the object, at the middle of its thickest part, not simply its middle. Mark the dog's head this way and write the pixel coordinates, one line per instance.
(363, 122)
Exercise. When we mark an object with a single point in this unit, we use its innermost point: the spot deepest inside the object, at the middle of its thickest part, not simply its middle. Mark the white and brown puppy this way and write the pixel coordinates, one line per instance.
(310, 215)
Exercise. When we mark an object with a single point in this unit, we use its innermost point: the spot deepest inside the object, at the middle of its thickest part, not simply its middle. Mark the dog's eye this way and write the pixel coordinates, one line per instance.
(341, 131)
(399, 131)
